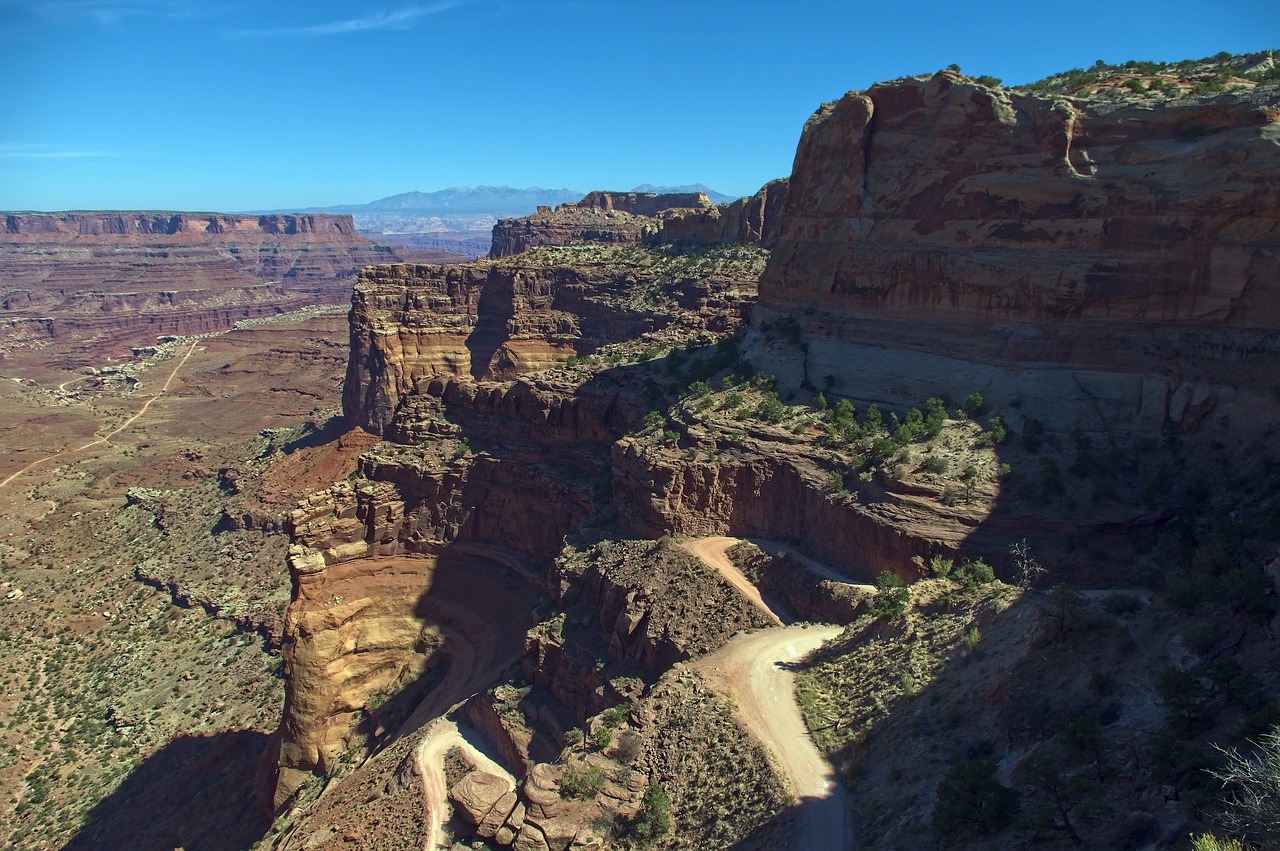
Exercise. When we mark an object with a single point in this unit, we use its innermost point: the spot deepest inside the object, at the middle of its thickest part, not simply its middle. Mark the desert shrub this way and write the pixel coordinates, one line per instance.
(1025, 567)
(891, 597)
(873, 421)
(936, 465)
(1252, 785)
(602, 738)
(629, 747)
(972, 801)
(974, 573)
(996, 428)
(940, 567)
(654, 818)
(935, 417)
(771, 409)
(583, 784)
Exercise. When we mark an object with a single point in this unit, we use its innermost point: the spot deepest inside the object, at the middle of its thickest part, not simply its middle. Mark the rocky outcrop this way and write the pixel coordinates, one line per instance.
(496, 320)
(611, 217)
(774, 492)
(112, 276)
(1053, 252)
(756, 220)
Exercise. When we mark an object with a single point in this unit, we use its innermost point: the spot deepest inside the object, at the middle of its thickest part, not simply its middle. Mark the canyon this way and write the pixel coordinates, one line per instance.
(988, 381)
(1003, 254)
(87, 283)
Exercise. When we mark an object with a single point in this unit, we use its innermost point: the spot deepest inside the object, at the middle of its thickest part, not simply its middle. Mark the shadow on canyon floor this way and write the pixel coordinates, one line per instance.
(196, 793)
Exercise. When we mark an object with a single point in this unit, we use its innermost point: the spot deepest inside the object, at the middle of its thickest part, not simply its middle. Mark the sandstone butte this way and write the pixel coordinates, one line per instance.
(1099, 266)
(102, 276)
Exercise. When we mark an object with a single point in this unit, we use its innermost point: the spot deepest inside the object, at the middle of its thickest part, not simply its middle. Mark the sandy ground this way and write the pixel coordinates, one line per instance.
(107, 437)
(750, 668)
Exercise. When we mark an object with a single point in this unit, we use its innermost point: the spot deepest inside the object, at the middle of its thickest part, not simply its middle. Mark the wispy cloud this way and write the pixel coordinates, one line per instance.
(103, 12)
(398, 19)
(48, 152)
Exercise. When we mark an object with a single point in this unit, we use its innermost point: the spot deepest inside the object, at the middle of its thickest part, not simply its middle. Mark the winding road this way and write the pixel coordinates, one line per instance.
(748, 668)
(124, 425)
(441, 735)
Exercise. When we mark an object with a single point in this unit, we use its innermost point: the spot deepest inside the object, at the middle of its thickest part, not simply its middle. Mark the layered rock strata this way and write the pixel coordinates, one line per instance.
(1052, 252)
(109, 276)
(610, 217)
(755, 220)
(496, 320)
(621, 218)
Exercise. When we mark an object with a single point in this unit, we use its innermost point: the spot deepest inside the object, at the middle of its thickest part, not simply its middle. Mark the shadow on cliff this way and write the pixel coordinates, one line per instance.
(196, 793)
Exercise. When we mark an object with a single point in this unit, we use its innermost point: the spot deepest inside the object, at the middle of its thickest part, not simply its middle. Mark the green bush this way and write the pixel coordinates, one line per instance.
(1209, 842)
(940, 567)
(972, 801)
(974, 573)
(602, 738)
(582, 785)
(654, 818)
(935, 418)
(892, 596)
(997, 429)
(771, 409)
(935, 464)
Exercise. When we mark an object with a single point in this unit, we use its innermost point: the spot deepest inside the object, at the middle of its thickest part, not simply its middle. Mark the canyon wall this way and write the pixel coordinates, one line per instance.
(755, 220)
(616, 217)
(1052, 252)
(114, 276)
(496, 320)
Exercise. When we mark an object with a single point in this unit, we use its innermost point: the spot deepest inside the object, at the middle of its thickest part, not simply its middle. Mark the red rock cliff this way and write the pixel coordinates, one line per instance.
(111, 276)
(1046, 250)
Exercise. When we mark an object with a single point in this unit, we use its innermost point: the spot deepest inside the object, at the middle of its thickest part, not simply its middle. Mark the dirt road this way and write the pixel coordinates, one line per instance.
(776, 548)
(442, 735)
(747, 668)
(711, 551)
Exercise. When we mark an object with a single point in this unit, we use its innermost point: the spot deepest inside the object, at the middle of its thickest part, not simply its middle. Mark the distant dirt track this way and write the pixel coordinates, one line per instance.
(124, 425)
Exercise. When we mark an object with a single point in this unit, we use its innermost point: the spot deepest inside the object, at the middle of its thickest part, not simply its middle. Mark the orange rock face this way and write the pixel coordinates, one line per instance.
(497, 320)
(946, 195)
(981, 233)
(611, 217)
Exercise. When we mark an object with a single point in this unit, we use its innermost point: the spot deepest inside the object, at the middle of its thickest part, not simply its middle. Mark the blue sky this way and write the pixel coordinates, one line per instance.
(141, 104)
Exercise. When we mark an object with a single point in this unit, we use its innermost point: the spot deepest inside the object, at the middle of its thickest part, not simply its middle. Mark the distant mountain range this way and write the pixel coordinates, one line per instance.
(468, 209)
(496, 201)
(716, 197)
